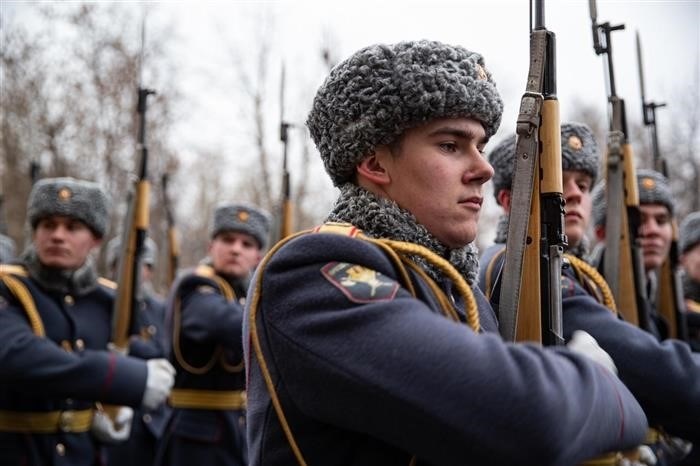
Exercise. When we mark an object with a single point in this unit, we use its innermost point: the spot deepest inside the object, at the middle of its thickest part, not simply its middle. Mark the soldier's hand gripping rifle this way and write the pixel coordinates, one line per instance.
(173, 243)
(536, 237)
(670, 301)
(287, 206)
(623, 267)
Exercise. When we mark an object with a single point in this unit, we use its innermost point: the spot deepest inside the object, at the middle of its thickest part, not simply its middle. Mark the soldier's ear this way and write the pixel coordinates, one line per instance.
(96, 242)
(599, 231)
(503, 198)
(373, 168)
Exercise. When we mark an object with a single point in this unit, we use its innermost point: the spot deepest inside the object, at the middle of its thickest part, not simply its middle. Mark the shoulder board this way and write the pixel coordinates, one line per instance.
(13, 270)
(205, 271)
(339, 228)
(107, 283)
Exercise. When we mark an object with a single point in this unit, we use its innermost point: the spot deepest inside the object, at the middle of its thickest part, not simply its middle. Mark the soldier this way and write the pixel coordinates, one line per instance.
(655, 236)
(689, 245)
(146, 342)
(55, 325)
(670, 393)
(356, 345)
(206, 312)
(7, 249)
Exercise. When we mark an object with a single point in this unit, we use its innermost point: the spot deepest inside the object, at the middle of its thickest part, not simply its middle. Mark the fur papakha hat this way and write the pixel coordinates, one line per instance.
(382, 90)
(78, 199)
(654, 188)
(689, 235)
(579, 151)
(244, 218)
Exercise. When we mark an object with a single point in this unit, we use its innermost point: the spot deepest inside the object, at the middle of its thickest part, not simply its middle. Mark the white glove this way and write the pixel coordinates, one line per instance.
(583, 343)
(159, 382)
(646, 457)
(112, 431)
(113, 348)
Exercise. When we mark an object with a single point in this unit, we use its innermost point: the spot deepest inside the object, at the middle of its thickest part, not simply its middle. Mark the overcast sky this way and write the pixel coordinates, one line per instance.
(203, 35)
(498, 29)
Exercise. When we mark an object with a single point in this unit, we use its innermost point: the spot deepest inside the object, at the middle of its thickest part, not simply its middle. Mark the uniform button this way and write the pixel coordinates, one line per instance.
(151, 330)
(147, 418)
(60, 449)
(241, 421)
(69, 300)
(65, 423)
(79, 344)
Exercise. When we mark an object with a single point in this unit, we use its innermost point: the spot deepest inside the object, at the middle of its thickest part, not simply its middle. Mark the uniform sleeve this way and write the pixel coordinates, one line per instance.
(388, 366)
(208, 317)
(32, 363)
(664, 376)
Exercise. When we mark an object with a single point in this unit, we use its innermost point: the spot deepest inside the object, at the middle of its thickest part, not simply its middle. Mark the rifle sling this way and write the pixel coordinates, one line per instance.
(614, 214)
(526, 166)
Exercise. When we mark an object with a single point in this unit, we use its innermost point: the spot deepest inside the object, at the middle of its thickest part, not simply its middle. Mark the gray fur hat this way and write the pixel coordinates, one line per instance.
(7, 249)
(82, 200)
(382, 90)
(653, 187)
(244, 218)
(148, 255)
(689, 232)
(579, 151)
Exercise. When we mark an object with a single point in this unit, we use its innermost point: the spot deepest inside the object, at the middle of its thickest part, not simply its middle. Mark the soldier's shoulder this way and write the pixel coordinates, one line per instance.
(13, 269)
(107, 283)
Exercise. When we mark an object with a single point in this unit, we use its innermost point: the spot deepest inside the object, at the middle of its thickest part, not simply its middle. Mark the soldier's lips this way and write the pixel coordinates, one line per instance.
(473, 203)
(56, 252)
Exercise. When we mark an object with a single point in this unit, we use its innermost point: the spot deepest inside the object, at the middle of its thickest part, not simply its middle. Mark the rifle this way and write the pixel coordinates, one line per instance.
(670, 301)
(536, 236)
(34, 172)
(623, 269)
(173, 244)
(134, 233)
(287, 206)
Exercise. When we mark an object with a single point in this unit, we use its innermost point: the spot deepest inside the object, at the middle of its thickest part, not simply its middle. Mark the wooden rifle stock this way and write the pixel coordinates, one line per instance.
(623, 267)
(133, 238)
(533, 312)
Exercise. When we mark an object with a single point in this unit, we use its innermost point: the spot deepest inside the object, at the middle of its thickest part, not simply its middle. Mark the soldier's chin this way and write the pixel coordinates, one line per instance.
(56, 262)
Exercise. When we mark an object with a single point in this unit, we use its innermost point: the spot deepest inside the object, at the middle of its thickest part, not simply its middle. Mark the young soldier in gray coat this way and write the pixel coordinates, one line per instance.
(205, 314)
(665, 378)
(655, 236)
(367, 342)
(55, 325)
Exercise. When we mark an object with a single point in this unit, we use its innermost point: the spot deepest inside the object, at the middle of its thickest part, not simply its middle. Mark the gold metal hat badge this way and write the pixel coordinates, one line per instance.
(64, 194)
(243, 216)
(648, 183)
(575, 142)
(481, 73)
